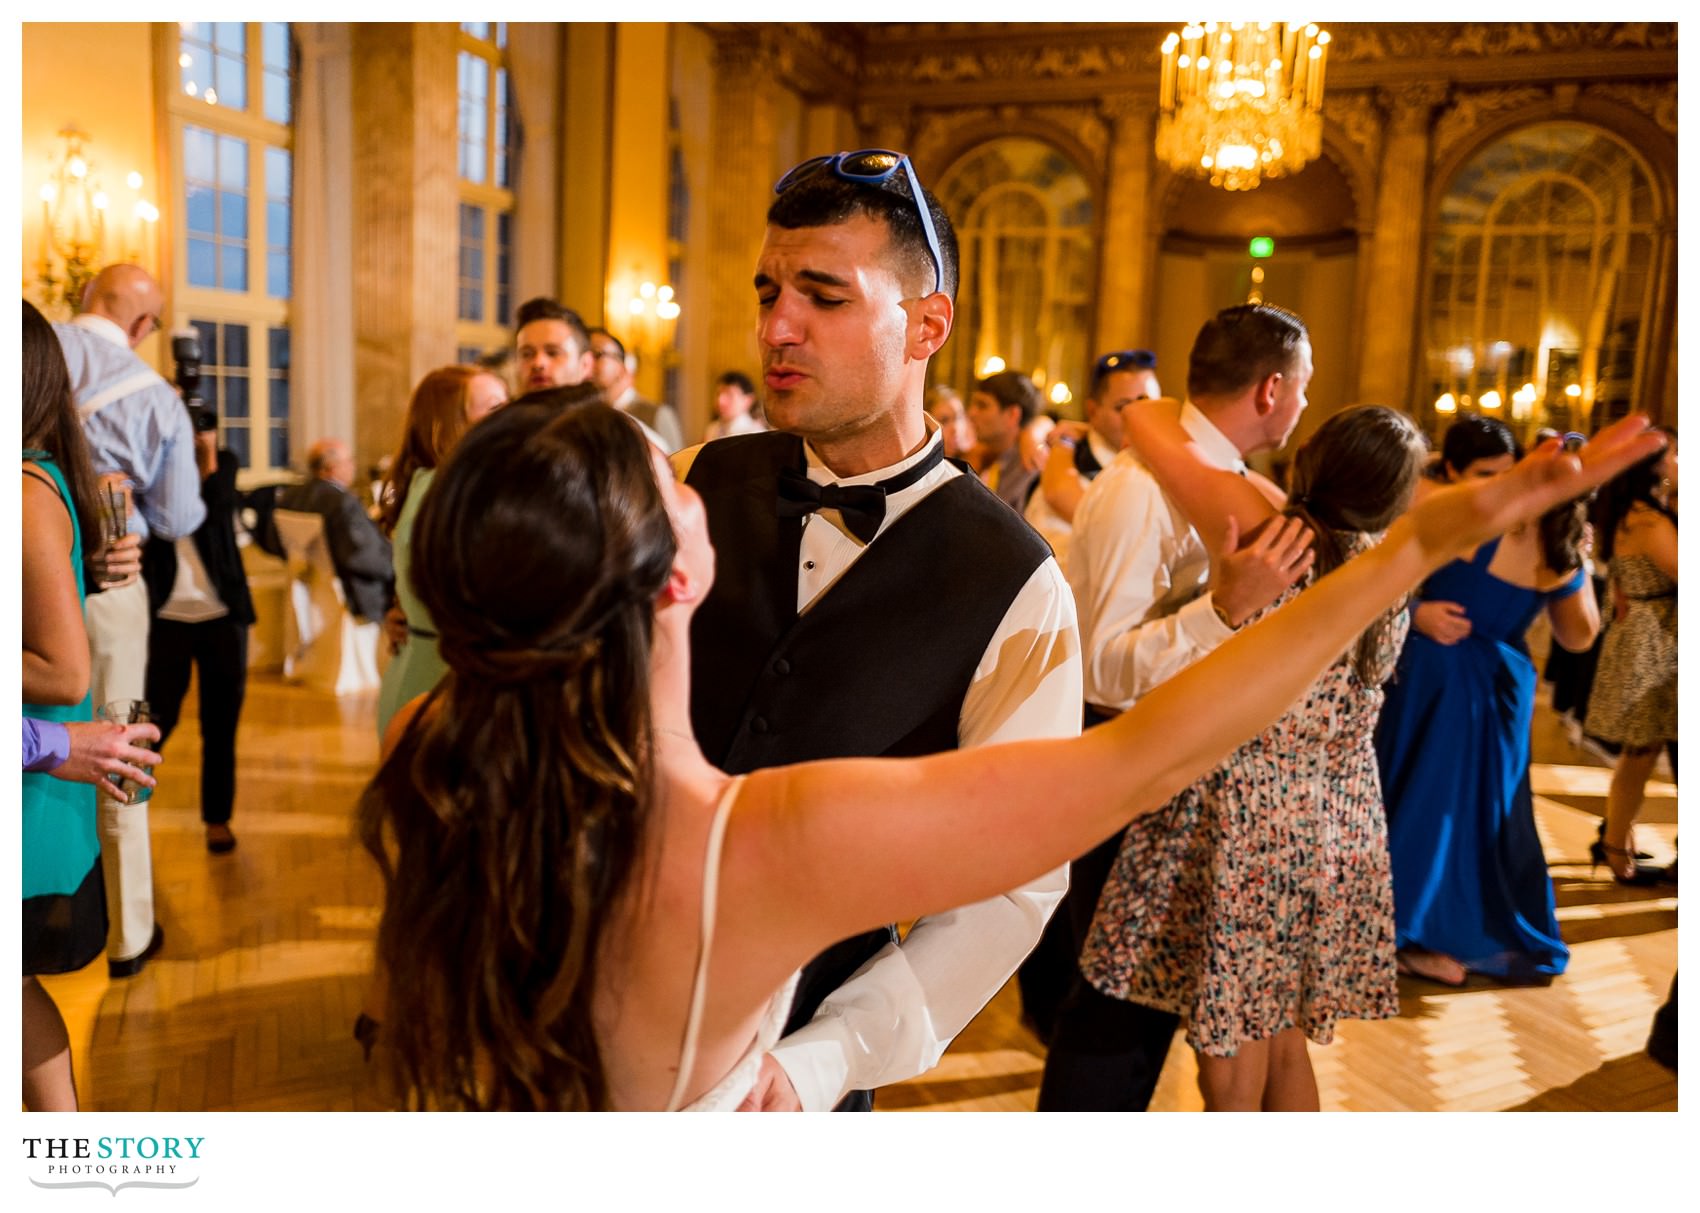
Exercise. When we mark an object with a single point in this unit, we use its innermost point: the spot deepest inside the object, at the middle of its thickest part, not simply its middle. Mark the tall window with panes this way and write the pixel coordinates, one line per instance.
(484, 300)
(230, 122)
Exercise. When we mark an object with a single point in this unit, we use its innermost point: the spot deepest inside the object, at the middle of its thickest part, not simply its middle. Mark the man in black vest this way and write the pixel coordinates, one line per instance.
(839, 542)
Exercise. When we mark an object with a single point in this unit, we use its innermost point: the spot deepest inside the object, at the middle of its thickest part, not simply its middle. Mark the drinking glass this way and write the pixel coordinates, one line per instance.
(128, 711)
(114, 514)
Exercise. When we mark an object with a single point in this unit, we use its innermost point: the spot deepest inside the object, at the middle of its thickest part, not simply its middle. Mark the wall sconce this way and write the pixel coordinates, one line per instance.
(1490, 399)
(650, 318)
(81, 228)
(1446, 403)
(991, 366)
(1523, 402)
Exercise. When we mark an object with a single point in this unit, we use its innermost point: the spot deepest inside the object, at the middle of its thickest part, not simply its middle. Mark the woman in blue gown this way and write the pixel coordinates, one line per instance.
(1470, 885)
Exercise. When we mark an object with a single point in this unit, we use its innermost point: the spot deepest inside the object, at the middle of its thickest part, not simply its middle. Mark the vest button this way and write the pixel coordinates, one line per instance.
(759, 725)
(782, 666)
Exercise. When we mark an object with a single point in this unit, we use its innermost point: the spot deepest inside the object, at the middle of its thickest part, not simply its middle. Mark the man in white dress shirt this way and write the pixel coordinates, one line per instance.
(1118, 379)
(138, 430)
(836, 540)
(1148, 609)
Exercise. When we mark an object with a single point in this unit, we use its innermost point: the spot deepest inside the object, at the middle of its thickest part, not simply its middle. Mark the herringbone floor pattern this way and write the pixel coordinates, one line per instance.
(249, 1006)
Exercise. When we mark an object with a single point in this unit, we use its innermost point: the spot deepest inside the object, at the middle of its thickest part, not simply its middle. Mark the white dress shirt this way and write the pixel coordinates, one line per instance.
(894, 1019)
(1056, 529)
(1141, 575)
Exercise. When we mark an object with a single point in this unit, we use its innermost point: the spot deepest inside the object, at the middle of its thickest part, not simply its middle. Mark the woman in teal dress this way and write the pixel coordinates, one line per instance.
(445, 404)
(1470, 886)
(64, 909)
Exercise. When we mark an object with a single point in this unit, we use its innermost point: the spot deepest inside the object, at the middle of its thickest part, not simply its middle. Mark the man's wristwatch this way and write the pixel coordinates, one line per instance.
(1223, 615)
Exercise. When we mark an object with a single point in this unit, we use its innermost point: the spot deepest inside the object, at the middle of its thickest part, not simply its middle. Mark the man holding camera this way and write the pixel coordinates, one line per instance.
(138, 431)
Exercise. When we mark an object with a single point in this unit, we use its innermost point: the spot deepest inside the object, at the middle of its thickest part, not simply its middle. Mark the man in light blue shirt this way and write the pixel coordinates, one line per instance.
(138, 430)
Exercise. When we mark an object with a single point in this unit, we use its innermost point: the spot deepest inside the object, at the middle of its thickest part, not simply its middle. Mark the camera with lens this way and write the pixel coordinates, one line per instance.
(186, 352)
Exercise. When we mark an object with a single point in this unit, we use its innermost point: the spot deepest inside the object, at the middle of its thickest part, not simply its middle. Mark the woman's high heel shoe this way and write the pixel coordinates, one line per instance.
(1638, 876)
(1598, 849)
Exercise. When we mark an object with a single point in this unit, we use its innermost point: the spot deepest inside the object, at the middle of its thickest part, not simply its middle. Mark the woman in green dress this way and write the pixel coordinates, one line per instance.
(64, 908)
(444, 406)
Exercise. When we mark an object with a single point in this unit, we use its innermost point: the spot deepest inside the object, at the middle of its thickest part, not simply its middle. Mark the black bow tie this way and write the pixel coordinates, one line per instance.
(862, 506)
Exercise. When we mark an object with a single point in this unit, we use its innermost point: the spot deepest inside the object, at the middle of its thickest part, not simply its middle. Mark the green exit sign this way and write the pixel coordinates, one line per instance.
(1262, 246)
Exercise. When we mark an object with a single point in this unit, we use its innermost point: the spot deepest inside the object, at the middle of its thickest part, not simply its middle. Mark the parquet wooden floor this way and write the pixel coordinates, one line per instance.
(249, 1006)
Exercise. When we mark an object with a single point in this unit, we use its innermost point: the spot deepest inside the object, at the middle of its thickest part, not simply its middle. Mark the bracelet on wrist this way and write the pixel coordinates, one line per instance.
(1223, 615)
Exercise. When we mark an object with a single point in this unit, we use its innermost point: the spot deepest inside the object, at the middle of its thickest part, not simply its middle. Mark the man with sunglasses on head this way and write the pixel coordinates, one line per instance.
(1152, 601)
(838, 541)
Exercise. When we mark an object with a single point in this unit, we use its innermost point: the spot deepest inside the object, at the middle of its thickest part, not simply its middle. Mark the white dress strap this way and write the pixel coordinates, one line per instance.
(699, 983)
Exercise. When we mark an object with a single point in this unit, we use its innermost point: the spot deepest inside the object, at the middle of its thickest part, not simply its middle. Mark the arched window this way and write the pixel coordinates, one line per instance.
(1540, 285)
(1024, 214)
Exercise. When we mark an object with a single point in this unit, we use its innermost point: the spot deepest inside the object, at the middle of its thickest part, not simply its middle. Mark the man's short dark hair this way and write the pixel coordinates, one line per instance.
(823, 198)
(1012, 389)
(738, 380)
(543, 308)
(1243, 345)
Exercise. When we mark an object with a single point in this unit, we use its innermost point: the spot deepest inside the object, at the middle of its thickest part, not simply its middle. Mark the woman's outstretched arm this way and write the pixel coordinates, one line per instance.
(826, 848)
(1209, 495)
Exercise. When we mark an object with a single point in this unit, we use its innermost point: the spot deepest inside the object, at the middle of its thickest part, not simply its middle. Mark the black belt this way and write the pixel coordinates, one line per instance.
(413, 631)
(1650, 597)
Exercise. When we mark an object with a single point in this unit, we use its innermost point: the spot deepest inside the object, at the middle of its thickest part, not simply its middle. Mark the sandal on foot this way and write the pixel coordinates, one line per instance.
(1431, 966)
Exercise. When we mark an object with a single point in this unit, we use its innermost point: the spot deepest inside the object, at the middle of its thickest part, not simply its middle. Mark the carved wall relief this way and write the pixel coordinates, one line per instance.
(1469, 110)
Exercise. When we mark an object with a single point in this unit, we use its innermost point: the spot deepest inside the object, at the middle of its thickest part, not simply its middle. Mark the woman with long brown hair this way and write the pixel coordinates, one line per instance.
(64, 907)
(553, 841)
(447, 402)
(1257, 905)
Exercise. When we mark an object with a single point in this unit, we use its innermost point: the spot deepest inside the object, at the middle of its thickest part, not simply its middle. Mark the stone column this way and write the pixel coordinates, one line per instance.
(1125, 272)
(1390, 323)
(322, 337)
(405, 207)
(739, 190)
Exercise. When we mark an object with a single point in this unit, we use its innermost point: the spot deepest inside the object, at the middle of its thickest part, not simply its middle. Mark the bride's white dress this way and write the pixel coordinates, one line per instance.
(730, 1091)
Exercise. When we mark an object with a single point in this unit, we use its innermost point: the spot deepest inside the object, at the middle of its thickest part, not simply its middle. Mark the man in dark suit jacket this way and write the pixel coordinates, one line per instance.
(359, 550)
(198, 596)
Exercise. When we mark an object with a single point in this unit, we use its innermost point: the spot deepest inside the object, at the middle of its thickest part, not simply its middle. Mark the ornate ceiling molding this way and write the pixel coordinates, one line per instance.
(985, 63)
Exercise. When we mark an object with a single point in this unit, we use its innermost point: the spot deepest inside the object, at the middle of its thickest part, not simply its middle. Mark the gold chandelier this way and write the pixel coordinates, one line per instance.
(1242, 100)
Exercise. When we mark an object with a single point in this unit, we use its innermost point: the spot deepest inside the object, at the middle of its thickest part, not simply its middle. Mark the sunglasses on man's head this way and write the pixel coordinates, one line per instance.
(874, 166)
(1125, 360)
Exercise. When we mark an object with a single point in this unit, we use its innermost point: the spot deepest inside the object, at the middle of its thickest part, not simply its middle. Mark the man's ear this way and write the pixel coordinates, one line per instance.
(134, 333)
(1265, 392)
(930, 320)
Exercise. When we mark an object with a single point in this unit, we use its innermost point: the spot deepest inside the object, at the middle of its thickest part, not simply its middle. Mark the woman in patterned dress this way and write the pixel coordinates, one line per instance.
(1258, 905)
(1633, 701)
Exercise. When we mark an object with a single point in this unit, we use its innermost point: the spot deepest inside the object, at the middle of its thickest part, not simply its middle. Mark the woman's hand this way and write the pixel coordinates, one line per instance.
(1442, 622)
